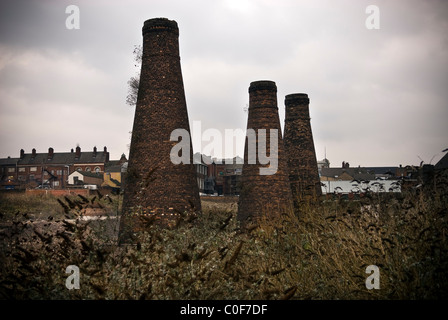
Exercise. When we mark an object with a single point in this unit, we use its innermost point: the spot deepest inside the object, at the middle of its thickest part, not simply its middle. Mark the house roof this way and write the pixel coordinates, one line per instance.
(113, 168)
(89, 174)
(356, 173)
(359, 173)
(8, 161)
(383, 170)
(92, 174)
(64, 158)
(116, 165)
(443, 163)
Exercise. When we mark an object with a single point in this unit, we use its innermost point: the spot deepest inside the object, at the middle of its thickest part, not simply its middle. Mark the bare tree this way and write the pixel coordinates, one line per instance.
(133, 82)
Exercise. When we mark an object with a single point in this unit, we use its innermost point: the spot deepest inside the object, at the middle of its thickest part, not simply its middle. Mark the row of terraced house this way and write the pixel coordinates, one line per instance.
(93, 168)
(59, 170)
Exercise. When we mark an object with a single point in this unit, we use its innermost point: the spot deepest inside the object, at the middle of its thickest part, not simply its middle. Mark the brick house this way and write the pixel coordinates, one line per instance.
(225, 176)
(222, 177)
(8, 173)
(50, 169)
(201, 171)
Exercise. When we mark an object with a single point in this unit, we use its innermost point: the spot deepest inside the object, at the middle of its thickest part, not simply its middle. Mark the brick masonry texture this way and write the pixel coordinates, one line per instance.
(299, 147)
(154, 185)
(264, 195)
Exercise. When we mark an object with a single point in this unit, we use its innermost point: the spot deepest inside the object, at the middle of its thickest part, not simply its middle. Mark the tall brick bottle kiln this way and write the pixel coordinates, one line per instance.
(154, 185)
(263, 195)
(299, 146)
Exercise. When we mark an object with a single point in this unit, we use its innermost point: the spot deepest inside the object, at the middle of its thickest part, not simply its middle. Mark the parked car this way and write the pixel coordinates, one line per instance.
(90, 186)
(44, 186)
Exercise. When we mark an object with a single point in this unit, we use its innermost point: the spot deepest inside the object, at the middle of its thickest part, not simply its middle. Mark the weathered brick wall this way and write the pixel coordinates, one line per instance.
(299, 146)
(264, 195)
(154, 184)
(59, 192)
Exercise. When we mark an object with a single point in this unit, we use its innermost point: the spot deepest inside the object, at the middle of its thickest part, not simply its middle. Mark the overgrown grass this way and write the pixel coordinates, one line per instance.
(15, 205)
(320, 252)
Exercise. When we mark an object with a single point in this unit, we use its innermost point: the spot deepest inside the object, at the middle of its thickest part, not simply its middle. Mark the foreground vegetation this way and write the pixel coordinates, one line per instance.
(320, 252)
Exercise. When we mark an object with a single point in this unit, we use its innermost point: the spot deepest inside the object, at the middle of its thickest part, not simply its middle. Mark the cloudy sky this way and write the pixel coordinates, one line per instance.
(377, 97)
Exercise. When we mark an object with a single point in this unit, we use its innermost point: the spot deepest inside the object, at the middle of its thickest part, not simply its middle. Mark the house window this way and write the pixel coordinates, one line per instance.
(59, 172)
(45, 173)
(33, 169)
(56, 184)
(22, 169)
(97, 169)
(11, 169)
(31, 176)
(75, 180)
(78, 169)
(88, 169)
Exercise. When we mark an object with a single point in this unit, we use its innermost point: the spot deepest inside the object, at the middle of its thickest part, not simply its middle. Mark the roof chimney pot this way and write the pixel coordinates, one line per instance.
(50, 153)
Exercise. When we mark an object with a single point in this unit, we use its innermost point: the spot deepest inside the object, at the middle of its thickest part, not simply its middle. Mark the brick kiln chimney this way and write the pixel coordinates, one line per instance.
(154, 185)
(299, 146)
(263, 195)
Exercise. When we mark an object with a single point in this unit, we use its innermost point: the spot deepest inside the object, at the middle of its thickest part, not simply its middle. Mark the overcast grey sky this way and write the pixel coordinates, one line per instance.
(377, 97)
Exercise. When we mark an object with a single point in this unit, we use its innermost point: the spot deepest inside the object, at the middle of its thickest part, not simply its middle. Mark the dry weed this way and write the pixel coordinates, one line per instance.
(320, 252)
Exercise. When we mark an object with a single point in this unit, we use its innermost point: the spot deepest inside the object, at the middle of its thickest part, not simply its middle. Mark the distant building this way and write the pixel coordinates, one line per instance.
(323, 163)
(345, 174)
(8, 173)
(228, 176)
(82, 178)
(201, 172)
(442, 164)
(50, 169)
(114, 173)
(348, 179)
(223, 175)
